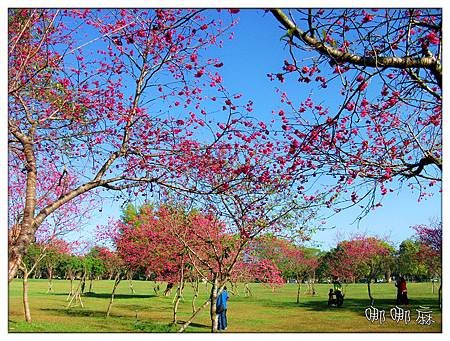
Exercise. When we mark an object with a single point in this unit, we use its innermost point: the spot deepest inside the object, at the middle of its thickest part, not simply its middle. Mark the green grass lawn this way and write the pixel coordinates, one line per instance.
(265, 311)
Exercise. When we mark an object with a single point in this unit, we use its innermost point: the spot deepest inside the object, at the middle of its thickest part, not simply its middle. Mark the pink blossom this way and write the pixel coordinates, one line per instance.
(433, 38)
(350, 106)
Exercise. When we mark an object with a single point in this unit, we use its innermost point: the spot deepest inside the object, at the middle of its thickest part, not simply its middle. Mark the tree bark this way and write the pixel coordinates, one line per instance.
(25, 301)
(83, 281)
(179, 295)
(50, 279)
(156, 288)
(91, 283)
(18, 245)
(76, 296)
(440, 296)
(430, 63)
(212, 311)
(71, 287)
(299, 286)
(189, 321)
(116, 283)
(369, 291)
(248, 292)
(313, 284)
(130, 281)
(195, 286)
(26, 274)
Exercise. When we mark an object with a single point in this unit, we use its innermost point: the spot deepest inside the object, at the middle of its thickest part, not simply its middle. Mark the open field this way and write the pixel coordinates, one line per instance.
(265, 311)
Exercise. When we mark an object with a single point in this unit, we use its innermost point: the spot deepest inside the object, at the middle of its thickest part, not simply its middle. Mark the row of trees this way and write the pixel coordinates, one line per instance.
(413, 259)
(178, 247)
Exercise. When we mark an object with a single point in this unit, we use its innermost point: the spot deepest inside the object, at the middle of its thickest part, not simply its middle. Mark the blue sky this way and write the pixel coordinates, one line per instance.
(257, 50)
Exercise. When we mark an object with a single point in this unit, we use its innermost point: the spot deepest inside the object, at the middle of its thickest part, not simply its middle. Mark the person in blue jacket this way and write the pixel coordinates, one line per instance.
(221, 306)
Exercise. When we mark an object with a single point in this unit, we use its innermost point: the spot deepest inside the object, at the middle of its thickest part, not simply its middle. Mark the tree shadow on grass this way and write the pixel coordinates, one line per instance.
(118, 296)
(356, 304)
(106, 295)
(76, 312)
(193, 324)
(141, 308)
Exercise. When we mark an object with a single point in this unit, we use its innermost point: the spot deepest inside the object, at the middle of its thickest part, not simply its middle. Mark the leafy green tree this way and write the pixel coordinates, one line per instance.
(94, 266)
(33, 259)
(70, 266)
(408, 260)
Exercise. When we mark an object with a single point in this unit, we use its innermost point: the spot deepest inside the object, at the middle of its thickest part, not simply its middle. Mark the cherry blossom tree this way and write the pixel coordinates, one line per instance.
(387, 127)
(254, 267)
(89, 96)
(430, 235)
(361, 257)
(146, 240)
(172, 244)
(430, 252)
(291, 259)
(253, 208)
(298, 266)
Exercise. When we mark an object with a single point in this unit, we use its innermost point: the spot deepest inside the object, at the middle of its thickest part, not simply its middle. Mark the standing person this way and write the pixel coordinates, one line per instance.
(221, 308)
(331, 298)
(338, 291)
(403, 291)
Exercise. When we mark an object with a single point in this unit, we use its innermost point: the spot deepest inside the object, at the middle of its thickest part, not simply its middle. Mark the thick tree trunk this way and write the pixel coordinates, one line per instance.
(17, 249)
(168, 289)
(212, 311)
(18, 244)
(116, 283)
(23, 236)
